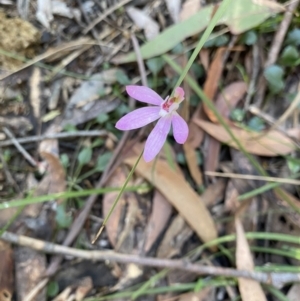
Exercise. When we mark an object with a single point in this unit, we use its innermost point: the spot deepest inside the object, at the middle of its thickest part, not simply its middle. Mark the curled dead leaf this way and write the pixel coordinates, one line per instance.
(274, 143)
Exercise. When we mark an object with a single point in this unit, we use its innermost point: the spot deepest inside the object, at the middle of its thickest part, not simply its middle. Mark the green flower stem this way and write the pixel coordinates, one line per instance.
(117, 198)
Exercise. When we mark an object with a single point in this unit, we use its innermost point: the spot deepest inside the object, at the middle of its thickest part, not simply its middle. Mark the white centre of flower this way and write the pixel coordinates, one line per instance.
(168, 106)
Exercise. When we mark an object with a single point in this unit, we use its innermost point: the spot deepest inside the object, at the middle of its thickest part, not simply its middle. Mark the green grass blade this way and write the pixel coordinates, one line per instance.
(63, 195)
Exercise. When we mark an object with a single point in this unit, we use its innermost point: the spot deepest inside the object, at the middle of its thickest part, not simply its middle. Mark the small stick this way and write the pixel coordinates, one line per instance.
(277, 279)
(19, 147)
(280, 34)
(253, 177)
(255, 72)
(140, 61)
(54, 136)
(105, 14)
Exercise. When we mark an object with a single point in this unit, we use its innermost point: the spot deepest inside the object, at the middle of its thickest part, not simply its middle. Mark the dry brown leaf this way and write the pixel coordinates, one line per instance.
(212, 80)
(189, 8)
(177, 234)
(250, 290)
(192, 163)
(160, 215)
(231, 195)
(55, 179)
(6, 272)
(272, 144)
(178, 192)
(126, 242)
(204, 59)
(214, 192)
(227, 99)
(294, 133)
(84, 287)
(112, 227)
(212, 151)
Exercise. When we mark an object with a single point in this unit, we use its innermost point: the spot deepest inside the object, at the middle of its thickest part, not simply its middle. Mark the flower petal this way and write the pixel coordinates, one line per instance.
(144, 94)
(179, 94)
(180, 128)
(157, 138)
(138, 118)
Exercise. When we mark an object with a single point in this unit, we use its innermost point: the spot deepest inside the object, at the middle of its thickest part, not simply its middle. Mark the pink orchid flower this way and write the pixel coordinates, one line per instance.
(163, 110)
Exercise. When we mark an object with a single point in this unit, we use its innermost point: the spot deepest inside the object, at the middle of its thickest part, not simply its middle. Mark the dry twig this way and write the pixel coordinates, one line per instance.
(140, 61)
(253, 177)
(19, 147)
(105, 14)
(54, 136)
(275, 279)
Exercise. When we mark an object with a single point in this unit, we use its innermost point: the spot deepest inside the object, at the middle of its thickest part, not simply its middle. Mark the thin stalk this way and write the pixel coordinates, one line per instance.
(117, 198)
(63, 195)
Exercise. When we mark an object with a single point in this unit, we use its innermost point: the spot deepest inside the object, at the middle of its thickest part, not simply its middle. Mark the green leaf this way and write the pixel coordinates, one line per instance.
(293, 164)
(97, 142)
(294, 37)
(256, 124)
(180, 158)
(52, 289)
(194, 100)
(63, 219)
(6, 155)
(198, 70)
(122, 109)
(70, 128)
(122, 78)
(178, 49)
(237, 115)
(289, 56)
(217, 41)
(155, 64)
(240, 17)
(102, 161)
(103, 117)
(85, 156)
(274, 76)
(65, 161)
(249, 38)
